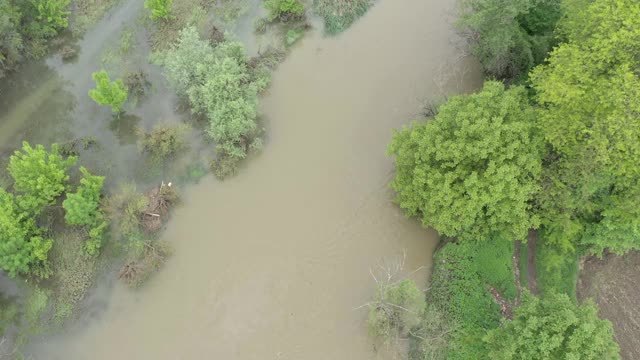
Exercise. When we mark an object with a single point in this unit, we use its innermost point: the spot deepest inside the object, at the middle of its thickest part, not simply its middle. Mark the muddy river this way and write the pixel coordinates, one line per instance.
(271, 264)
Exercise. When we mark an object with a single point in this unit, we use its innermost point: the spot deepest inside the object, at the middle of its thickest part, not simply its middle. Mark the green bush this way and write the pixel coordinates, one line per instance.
(39, 176)
(15, 250)
(219, 84)
(11, 41)
(53, 13)
(164, 140)
(81, 207)
(284, 9)
(112, 94)
(553, 328)
(160, 9)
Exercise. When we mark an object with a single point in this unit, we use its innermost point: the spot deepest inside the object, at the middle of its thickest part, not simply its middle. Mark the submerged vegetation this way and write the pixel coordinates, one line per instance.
(221, 86)
(338, 15)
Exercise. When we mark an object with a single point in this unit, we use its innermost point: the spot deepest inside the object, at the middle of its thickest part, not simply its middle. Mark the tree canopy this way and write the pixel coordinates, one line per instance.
(39, 176)
(471, 172)
(219, 84)
(112, 94)
(553, 328)
(590, 116)
(510, 37)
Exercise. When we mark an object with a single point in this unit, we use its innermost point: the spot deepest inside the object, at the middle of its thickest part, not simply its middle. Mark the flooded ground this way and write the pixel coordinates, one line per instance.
(272, 263)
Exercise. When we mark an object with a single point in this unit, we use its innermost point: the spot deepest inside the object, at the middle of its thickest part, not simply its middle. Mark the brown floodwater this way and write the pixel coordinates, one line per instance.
(272, 263)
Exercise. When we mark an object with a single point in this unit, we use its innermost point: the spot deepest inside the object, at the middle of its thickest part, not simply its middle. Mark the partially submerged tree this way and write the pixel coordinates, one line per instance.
(553, 328)
(220, 85)
(40, 176)
(472, 171)
(113, 94)
(164, 140)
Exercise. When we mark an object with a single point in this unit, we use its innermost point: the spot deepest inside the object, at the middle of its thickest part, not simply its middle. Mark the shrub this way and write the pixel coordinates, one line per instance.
(125, 209)
(15, 252)
(39, 176)
(53, 13)
(112, 94)
(160, 9)
(81, 207)
(164, 141)
(553, 328)
(284, 9)
(219, 84)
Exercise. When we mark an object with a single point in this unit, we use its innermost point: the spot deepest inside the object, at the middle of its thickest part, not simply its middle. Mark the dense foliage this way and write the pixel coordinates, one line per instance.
(25, 25)
(15, 252)
(510, 37)
(112, 94)
(553, 328)
(471, 172)
(81, 207)
(160, 9)
(39, 176)
(283, 8)
(590, 116)
(164, 140)
(220, 85)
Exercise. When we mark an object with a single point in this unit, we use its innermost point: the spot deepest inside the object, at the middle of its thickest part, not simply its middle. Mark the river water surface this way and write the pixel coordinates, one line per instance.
(271, 264)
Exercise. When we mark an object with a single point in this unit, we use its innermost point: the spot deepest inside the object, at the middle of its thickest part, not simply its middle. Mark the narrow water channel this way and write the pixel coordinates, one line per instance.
(271, 264)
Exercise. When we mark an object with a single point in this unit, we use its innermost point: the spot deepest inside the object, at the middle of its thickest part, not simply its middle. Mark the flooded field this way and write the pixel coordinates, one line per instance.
(272, 263)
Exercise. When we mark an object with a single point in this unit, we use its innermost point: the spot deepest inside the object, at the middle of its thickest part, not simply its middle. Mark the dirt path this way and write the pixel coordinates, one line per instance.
(531, 262)
(516, 270)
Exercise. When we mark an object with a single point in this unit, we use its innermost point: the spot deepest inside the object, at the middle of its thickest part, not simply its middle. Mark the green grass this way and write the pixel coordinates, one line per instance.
(340, 14)
(556, 271)
(524, 268)
(459, 289)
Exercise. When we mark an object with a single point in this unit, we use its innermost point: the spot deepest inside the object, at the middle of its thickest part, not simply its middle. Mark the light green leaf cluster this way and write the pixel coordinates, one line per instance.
(83, 208)
(396, 309)
(53, 12)
(472, 172)
(160, 9)
(219, 84)
(39, 176)
(589, 114)
(15, 254)
(113, 94)
(553, 328)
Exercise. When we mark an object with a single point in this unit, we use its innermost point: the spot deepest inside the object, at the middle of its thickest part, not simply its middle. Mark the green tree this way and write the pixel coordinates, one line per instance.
(220, 85)
(15, 255)
(553, 328)
(283, 8)
(39, 176)
(472, 171)
(588, 92)
(160, 9)
(509, 37)
(81, 207)
(113, 94)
